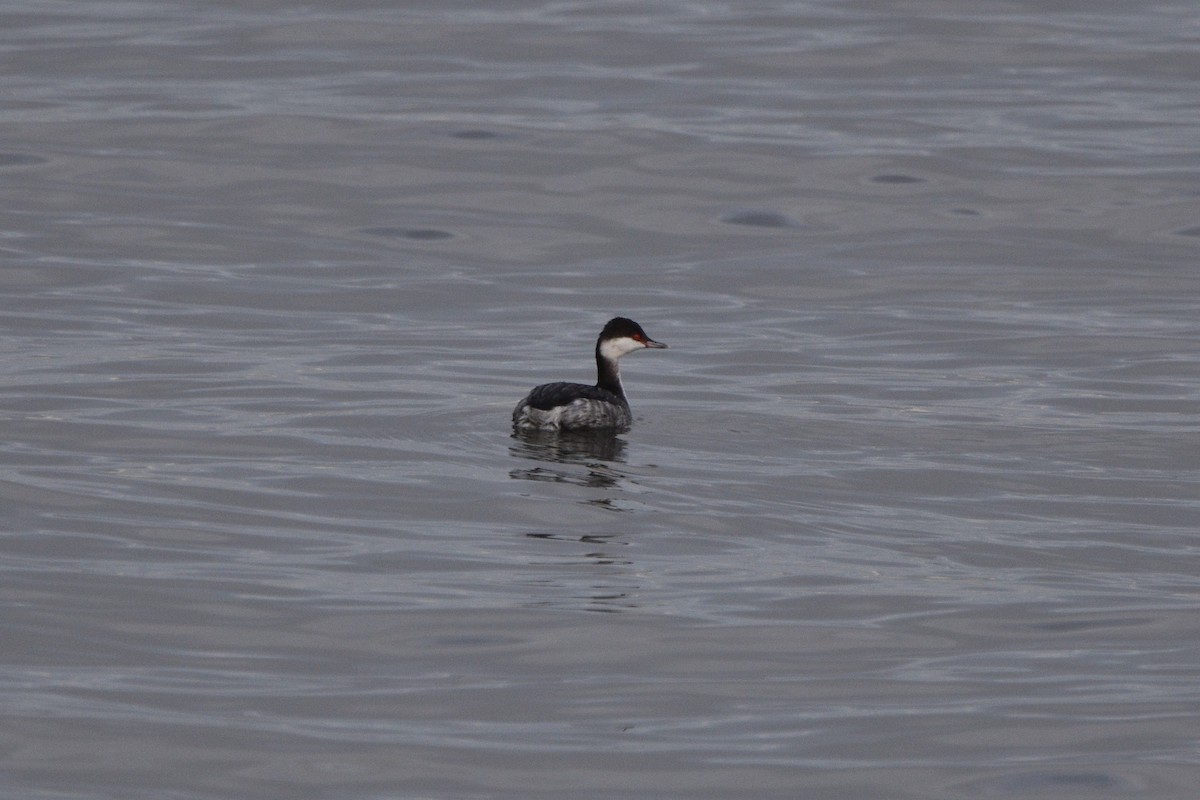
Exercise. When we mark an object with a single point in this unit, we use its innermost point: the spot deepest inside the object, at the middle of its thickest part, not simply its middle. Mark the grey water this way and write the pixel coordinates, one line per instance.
(910, 508)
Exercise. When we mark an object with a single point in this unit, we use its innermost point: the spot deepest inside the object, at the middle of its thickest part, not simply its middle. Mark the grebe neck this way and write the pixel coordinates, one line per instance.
(608, 377)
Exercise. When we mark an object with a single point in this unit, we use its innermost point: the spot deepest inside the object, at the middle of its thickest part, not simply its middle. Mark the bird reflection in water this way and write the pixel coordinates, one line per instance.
(562, 453)
(590, 459)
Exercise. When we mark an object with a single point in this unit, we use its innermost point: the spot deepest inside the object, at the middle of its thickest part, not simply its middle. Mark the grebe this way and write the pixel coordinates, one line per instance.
(576, 406)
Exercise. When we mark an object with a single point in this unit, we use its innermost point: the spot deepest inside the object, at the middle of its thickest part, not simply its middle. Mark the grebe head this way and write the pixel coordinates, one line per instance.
(621, 336)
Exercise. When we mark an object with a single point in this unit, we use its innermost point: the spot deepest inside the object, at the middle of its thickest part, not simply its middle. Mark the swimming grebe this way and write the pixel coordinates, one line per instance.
(576, 406)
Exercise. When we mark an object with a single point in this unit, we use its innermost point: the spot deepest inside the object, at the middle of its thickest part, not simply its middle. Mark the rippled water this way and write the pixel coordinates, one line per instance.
(910, 506)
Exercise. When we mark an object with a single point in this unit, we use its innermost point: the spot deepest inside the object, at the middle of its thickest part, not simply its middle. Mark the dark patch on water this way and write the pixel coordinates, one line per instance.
(1074, 625)
(413, 234)
(759, 219)
(1038, 783)
(1189, 231)
(19, 160)
(479, 640)
(966, 212)
(589, 538)
(896, 178)
(475, 134)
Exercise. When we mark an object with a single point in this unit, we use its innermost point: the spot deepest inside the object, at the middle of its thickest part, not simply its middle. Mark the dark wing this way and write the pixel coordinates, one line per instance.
(551, 395)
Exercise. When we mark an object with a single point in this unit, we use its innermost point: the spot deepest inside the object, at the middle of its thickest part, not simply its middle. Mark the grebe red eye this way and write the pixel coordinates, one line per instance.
(637, 337)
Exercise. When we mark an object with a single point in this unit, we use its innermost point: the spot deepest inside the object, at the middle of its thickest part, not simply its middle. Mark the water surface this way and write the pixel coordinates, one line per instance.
(910, 505)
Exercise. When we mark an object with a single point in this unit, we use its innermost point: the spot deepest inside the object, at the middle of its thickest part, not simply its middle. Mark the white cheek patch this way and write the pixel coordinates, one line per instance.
(615, 348)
